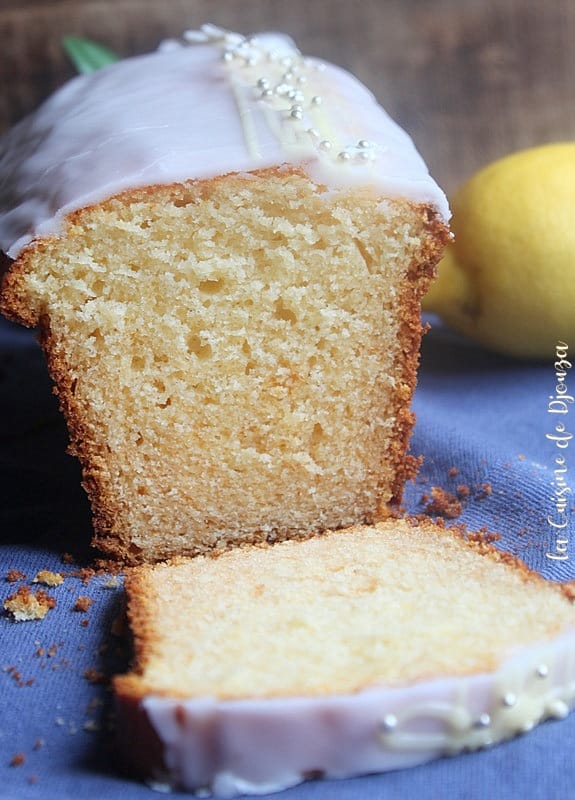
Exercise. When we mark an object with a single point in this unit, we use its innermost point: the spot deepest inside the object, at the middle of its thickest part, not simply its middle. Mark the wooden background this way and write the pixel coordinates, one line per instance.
(470, 79)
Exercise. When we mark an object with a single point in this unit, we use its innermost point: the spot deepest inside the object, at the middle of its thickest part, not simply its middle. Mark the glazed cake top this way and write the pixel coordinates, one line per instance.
(216, 103)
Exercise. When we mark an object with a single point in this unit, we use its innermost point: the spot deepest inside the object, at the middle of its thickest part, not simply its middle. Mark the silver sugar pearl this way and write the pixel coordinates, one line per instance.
(344, 156)
(363, 144)
(542, 671)
(263, 83)
(364, 156)
(325, 144)
(296, 112)
(313, 133)
(557, 709)
(483, 721)
(266, 94)
(509, 699)
(389, 723)
(302, 79)
(316, 100)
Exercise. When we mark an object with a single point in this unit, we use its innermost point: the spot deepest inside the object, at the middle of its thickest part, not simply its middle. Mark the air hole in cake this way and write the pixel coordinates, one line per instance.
(318, 434)
(96, 334)
(182, 202)
(365, 254)
(283, 312)
(280, 239)
(260, 257)
(200, 349)
(211, 286)
(165, 404)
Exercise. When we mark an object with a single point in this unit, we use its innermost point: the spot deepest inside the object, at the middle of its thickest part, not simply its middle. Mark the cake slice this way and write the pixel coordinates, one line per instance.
(352, 652)
(224, 245)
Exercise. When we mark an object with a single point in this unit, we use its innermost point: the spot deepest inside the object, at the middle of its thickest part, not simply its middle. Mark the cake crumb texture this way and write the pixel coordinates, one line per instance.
(391, 604)
(235, 357)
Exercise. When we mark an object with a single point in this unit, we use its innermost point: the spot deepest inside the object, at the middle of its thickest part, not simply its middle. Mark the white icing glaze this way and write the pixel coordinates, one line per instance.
(216, 105)
(256, 746)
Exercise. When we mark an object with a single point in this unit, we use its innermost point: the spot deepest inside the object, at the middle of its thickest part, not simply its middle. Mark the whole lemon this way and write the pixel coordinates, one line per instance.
(508, 278)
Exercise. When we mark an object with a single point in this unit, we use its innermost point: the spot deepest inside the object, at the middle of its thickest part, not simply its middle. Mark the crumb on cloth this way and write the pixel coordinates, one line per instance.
(92, 675)
(14, 575)
(48, 578)
(25, 605)
(443, 503)
(83, 603)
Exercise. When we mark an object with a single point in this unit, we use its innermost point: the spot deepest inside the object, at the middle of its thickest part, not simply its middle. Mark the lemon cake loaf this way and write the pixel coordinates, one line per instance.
(351, 652)
(224, 245)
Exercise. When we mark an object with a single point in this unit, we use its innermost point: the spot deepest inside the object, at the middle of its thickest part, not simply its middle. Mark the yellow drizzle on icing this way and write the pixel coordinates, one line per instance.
(521, 696)
(288, 89)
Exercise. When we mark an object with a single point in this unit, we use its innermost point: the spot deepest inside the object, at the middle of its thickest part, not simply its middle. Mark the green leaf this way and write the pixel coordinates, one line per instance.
(87, 56)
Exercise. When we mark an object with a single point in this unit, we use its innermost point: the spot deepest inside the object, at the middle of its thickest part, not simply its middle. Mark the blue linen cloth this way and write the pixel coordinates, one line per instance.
(484, 421)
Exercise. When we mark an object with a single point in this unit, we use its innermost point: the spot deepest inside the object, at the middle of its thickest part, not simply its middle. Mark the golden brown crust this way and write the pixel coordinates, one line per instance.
(418, 279)
(95, 478)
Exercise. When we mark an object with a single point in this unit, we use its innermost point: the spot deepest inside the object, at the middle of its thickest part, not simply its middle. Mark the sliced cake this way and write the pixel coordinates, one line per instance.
(352, 652)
